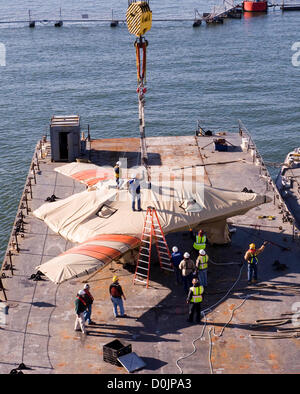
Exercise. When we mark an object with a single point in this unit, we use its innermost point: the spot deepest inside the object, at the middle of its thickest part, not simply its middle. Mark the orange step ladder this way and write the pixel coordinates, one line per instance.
(151, 230)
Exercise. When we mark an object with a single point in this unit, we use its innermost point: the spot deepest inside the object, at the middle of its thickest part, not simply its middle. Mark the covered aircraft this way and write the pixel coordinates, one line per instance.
(101, 221)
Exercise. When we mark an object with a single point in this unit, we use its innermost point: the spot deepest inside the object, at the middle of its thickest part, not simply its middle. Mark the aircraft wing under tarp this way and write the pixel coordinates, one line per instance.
(87, 257)
(103, 210)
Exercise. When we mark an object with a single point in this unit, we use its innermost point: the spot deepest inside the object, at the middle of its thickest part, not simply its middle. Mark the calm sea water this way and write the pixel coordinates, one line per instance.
(218, 74)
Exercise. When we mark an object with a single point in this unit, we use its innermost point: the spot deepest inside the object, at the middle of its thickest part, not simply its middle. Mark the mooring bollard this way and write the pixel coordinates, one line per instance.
(9, 254)
(26, 201)
(21, 208)
(2, 289)
(33, 172)
(37, 161)
(16, 239)
(30, 186)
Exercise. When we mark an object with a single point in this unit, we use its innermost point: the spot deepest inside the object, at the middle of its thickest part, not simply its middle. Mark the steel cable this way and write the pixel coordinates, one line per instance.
(204, 313)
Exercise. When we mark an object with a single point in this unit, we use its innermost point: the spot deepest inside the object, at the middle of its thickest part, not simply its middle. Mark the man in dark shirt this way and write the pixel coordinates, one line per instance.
(116, 294)
(80, 307)
(176, 258)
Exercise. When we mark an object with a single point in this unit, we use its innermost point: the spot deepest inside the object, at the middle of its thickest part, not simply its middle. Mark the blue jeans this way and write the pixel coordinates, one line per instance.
(117, 302)
(138, 197)
(202, 276)
(187, 282)
(252, 271)
(87, 313)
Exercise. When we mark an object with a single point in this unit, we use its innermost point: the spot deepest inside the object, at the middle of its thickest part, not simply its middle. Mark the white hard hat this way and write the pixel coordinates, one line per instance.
(81, 292)
(202, 252)
(186, 255)
(118, 163)
(86, 286)
(133, 175)
(175, 249)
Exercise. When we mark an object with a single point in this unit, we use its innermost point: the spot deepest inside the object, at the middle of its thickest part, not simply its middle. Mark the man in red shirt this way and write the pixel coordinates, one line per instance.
(116, 294)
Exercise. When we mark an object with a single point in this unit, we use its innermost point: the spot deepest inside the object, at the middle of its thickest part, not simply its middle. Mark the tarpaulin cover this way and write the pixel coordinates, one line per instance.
(105, 210)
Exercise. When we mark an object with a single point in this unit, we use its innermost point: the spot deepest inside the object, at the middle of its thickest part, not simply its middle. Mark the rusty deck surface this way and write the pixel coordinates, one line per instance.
(40, 324)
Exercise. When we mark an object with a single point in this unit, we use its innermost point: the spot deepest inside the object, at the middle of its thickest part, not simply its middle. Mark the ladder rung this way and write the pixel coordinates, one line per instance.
(162, 247)
(144, 247)
(146, 241)
(159, 236)
(142, 268)
(143, 261)
(166, 261)
(141, 274)
(164, 253)
(167, 269)
(167, 266)
(148, 228)
(143, 254)
(138, 280)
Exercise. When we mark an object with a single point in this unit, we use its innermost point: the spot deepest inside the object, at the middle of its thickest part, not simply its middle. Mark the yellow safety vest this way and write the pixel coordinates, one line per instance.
(197, 291)
(253, 256)
(117, 171)
(202, 262)
(200, 242)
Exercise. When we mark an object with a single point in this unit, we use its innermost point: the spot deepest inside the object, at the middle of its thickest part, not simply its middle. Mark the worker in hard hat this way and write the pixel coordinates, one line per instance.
(117, 171)
(194, 300)
(201, 266)
(116, 294)
(187, 267)
(252, 260)
(89, 299)
(80, 308)
(176, 258)
(135, 191)
(200, 242)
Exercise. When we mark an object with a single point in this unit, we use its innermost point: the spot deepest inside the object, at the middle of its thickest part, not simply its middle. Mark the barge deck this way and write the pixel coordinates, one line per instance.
(39, 330)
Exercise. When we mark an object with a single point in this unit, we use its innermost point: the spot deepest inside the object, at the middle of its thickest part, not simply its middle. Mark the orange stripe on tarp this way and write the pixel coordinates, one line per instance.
(126, 239)
(96, 251)
(87, 174)
(92, 182)
(98, 256)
